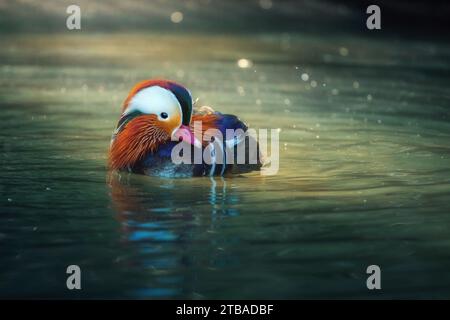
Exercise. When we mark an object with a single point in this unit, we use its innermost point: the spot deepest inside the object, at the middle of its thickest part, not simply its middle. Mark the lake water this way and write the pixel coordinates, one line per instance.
(364, 170)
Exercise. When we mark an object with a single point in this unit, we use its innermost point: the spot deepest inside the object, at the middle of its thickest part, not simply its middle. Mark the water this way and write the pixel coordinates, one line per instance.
(364, 169)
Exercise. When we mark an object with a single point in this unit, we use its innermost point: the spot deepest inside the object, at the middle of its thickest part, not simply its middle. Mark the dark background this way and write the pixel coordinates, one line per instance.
(400, 18)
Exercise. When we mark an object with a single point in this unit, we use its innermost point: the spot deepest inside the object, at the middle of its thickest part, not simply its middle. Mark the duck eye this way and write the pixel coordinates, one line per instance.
(164, 115)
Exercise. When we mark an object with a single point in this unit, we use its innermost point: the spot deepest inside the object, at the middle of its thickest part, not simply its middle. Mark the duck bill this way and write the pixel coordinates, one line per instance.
(184, 133)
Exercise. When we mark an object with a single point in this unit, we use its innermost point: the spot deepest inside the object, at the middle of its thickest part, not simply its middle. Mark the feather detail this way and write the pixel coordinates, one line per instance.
(208, 121)
(139, 137)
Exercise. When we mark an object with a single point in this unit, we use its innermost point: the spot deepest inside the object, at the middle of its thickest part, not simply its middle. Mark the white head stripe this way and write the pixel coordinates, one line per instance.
(154, 100)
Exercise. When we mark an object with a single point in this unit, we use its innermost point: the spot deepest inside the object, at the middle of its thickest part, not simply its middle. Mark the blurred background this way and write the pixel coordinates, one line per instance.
(363, 120)
(413, 18)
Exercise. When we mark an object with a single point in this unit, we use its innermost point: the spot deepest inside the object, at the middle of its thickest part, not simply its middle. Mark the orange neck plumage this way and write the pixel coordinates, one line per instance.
(143, 135)
(139, 137)
(208, 121)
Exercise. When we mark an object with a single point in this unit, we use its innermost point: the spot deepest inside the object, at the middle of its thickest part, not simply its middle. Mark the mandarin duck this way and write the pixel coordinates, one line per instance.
(158, 115)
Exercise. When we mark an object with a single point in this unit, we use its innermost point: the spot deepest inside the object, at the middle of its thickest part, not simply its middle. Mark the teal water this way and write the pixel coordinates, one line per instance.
(364, 170)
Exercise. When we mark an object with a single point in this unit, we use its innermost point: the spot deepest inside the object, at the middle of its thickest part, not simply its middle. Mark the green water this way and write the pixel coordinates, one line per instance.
(364, 170)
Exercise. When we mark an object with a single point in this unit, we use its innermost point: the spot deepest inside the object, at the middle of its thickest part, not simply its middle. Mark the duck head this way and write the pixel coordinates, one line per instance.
(154, 113)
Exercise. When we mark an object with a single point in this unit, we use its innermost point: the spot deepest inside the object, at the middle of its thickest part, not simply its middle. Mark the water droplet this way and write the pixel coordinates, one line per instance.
(305, 77)
(355, 84)
(313, 83)
(244, 63)
(176, 17)
(343, 51)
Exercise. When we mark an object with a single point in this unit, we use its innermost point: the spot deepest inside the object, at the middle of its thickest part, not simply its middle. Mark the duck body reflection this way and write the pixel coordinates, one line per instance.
(164, 223)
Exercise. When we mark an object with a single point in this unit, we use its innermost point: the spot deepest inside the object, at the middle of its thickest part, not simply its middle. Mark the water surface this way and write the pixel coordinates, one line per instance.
(364, 170)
